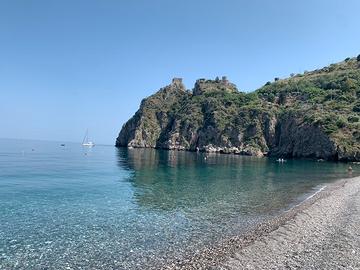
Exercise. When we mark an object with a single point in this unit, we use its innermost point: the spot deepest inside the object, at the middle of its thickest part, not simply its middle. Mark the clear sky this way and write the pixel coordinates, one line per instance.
(74, 64)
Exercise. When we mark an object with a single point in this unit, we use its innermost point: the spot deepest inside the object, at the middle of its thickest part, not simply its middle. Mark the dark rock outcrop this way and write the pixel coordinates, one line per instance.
(297, 139)
(314, 115)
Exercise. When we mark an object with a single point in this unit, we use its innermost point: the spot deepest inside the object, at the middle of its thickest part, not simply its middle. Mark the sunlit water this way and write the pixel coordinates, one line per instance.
(106, 208)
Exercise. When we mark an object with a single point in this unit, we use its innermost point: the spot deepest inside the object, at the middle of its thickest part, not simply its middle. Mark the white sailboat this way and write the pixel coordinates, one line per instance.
(86, 141)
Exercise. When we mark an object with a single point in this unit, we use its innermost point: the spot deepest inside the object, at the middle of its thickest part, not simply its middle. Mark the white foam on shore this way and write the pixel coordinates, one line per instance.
(307, 198)
(318, 191)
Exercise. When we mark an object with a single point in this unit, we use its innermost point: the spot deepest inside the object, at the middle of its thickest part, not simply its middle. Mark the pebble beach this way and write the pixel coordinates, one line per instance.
(323, 232)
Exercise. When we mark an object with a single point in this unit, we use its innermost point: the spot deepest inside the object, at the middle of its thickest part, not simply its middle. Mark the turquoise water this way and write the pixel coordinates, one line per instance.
(106, 208)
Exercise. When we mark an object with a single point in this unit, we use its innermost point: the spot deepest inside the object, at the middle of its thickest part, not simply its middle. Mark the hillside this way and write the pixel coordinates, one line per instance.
(310, 115)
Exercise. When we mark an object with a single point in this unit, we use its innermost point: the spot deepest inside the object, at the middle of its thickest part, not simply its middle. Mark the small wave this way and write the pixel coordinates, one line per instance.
(318, 191)
(307, 198)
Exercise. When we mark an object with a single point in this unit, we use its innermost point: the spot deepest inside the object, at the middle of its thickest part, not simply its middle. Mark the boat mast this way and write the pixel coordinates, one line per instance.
(85, 137)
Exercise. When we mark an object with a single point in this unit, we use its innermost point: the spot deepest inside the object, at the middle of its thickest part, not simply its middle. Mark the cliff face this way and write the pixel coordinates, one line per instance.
(313, 115)
(145, 127)
(294, 138)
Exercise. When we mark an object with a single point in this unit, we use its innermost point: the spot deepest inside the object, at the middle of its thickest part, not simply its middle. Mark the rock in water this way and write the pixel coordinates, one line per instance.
(312, 115)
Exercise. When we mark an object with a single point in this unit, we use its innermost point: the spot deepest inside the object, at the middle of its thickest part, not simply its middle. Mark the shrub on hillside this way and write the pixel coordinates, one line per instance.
(341, 123)
(356, 107)
(353, 118)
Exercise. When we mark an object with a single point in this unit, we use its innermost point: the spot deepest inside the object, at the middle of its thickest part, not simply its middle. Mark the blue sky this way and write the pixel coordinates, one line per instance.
(74, 64)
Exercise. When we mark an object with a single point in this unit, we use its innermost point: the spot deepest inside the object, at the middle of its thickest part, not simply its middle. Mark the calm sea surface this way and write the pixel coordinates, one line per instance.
(106, 208)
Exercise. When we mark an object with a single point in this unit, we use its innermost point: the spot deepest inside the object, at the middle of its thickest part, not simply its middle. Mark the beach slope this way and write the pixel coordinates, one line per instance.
(324, 234)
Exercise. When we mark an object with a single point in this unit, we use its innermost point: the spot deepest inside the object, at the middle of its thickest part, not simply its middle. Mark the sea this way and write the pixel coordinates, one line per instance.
(74, 207)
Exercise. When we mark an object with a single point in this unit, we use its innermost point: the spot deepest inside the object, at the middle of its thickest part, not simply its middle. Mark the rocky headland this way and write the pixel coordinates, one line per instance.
(311, 115)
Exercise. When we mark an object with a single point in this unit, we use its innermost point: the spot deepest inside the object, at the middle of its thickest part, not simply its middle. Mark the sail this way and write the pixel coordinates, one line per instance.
(86, 141)
(85, 137)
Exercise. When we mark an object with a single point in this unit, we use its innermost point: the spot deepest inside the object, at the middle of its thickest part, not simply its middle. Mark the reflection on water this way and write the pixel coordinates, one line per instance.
(220, 185)
(106, 208)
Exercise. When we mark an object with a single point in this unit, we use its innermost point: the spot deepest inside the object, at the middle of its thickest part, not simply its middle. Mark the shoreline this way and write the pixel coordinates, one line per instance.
(244, 251)
(263, 155)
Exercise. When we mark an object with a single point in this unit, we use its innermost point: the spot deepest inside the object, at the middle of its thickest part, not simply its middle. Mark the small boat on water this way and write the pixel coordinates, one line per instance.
(86, 141)
(281, 160)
